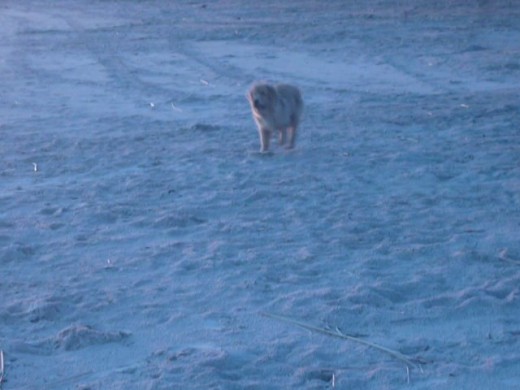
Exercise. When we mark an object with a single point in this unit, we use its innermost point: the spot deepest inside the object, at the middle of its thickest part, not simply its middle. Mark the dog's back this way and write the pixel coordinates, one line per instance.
(290, 104)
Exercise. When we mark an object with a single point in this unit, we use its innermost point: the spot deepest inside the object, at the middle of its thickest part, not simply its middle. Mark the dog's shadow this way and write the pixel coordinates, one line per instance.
(259, 154)
(269, 153)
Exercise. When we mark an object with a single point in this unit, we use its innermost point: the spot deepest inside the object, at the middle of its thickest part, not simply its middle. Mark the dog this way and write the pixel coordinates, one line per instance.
(276, 108)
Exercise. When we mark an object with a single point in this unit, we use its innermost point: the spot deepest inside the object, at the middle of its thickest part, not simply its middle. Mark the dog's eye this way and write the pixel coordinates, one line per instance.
(257, 103)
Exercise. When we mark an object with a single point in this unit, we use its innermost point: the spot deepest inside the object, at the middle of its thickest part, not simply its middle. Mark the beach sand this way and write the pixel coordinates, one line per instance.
(146, 244)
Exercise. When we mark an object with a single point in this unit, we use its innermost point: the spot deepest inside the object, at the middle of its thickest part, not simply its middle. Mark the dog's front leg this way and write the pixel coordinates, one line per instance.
(265, 137)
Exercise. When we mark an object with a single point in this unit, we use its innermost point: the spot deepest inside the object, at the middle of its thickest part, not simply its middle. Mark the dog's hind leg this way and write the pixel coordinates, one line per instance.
(282, 136)
(291, 134)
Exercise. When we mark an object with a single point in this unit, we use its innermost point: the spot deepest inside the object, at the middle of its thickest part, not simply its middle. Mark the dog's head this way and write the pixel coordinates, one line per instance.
(262, 98)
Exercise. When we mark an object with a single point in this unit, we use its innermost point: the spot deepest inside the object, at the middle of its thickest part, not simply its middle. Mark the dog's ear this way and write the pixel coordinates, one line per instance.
(271, 92)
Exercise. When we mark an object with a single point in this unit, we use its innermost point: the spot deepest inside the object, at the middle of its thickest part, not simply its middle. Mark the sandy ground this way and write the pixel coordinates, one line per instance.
(142, 236)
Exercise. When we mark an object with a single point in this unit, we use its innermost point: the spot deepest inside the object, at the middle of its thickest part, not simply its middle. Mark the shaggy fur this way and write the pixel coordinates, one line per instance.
(276, 108)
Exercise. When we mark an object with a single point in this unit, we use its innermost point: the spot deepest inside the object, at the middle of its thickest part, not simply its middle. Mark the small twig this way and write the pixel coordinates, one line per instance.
(504, 257)
(1, 367)
(341, 335)
(176, 108)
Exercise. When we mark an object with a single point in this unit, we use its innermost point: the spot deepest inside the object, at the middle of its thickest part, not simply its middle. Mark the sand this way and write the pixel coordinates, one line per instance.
(143, 238)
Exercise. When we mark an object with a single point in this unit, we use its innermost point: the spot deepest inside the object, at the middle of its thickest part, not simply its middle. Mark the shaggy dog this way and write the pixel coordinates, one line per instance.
(276, 107)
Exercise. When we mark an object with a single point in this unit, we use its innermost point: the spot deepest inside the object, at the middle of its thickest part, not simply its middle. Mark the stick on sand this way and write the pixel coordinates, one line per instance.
(409, 362)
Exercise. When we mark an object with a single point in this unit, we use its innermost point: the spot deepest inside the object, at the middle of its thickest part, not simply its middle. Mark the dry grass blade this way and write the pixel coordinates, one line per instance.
(1, 367)
(409, 362)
